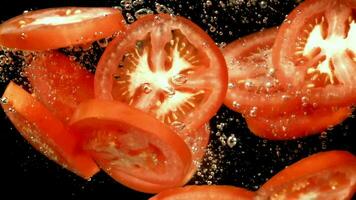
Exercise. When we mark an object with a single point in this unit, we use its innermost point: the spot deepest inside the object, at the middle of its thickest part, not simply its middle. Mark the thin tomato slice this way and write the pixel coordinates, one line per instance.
(59, 83)
(315, 51)
(326, 175)
(301, 124)
(166, 66)
(128, 142)
(55, 28)
(253, 88)
(45, 132)
(197, 142)
(205, 192)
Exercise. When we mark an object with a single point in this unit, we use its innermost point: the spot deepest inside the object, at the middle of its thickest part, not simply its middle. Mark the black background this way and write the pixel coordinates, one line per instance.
(249, 164)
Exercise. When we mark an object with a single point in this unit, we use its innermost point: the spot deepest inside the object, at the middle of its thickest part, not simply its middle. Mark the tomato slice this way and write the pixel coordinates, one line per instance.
(166, 66)
(45, 132)
(128, 142)
(54, 28)
(59, 83)
(326, 175)
(296, 125)
(205, 192)
(197, 142)
(315, 51)
(253, 88)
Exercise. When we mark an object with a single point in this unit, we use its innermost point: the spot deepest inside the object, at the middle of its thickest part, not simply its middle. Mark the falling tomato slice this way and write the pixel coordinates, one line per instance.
(130, 144)
(45, 132)
(315, 51)
(55, 28)
(205, 192)
(253, 89)
(166, 66)
(326, 175)
(196, 141)
(296, 125)
(59, 83)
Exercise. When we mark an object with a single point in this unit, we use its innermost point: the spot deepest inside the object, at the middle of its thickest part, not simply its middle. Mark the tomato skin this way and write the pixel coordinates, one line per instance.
(214, 89)
(295, 64)
(45, 132)
(205, 192)
(318, 164)
(94, 24)
(105, 123)
(249, 60)
(292, 126)
(59, 83)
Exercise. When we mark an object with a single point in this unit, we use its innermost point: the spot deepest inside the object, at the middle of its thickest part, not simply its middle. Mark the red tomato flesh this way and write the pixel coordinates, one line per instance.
(45, 132)
(55, 28)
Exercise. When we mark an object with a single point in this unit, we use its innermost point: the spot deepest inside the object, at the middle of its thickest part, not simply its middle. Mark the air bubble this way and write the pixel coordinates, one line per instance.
(178, 125)
(231, 85)
(231, 141)
(179, 79)
(147, 88)
(263, 4)
(142, 12)
(253, 112)
(4, 100)
(236, 105)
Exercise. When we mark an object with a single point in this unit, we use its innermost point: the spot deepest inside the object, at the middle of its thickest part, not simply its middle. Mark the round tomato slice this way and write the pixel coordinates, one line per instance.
(128, 142)
(59, 83)
(326, 175)
(167, 66)
(292, 126)
(253, 89)
(55, 28)
(315, 51)
(205, 192)
(45, 132)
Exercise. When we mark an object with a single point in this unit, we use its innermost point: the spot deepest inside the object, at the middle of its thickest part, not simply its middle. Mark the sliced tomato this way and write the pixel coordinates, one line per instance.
(315, 51)
(132, 145)
(197, 142)
(59, 83)
(292, 126)
(253, 88)
(326, 175)
(166, 66)
(54, 28)
(205, 192)
(45, 132)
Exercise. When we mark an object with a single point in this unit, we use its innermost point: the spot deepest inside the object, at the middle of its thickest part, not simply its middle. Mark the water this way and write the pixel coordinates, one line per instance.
(235, 156)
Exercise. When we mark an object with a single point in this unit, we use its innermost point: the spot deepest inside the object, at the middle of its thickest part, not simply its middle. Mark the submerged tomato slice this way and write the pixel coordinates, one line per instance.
(327, 175)
(301, 124)
(129, 144)
(59, 83)
(315, 51)
(253, 88)
(166, 66)
(54, 28)
(205, 192)
(45, 132)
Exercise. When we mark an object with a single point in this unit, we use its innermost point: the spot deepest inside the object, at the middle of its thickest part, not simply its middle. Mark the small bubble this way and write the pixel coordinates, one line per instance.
(231, 85)
(130, 18)
(142, 12)
(253, 112)
(178, 125)
(248, 85)
(4, 100)
(147, 88)
(235, 104)
(208, 3)
(263, 4)
(11, 109)
(231, 141)
(179, 79)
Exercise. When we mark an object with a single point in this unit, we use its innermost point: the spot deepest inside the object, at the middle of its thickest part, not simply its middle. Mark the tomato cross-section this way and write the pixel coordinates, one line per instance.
(167, 66)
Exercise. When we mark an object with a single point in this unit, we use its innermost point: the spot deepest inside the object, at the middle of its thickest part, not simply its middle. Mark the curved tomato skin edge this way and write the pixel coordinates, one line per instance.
(59, 36)
(204, 191)
(117, 116)
(59, 137)
(296, 129)
(313, 164)
(98, 86)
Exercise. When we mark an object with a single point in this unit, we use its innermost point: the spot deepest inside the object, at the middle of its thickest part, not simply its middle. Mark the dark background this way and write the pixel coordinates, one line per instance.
(248, 164)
